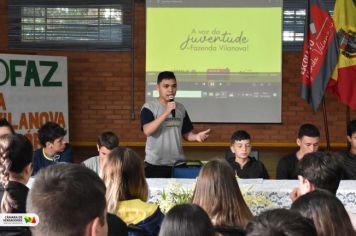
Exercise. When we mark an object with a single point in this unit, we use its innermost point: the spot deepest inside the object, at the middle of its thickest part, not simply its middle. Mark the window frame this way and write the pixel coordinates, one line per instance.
(124, 43)
(298, 27)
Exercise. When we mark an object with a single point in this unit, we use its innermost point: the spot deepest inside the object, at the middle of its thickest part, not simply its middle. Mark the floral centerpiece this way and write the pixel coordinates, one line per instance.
(175, 194)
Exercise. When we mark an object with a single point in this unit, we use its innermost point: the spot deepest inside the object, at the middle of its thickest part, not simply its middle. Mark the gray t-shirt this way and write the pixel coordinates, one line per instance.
(93, 163)
(164, 146)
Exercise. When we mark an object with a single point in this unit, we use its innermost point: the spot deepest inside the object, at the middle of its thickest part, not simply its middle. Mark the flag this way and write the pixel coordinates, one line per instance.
(320, 53)
(343, 81)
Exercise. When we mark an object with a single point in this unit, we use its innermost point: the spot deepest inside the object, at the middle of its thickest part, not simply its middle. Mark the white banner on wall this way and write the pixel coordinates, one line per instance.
(33, 91)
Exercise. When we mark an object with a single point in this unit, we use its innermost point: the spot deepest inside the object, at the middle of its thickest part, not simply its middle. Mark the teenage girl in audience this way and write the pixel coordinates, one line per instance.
(15, 170)
(218, 193)
(326, 210)
(186, 220)
(127, 191)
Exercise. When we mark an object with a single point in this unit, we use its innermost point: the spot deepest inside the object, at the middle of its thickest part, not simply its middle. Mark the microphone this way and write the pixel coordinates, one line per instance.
(173, 112)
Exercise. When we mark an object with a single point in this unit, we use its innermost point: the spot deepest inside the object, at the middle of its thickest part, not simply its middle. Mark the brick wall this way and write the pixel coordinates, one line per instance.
(100, 96)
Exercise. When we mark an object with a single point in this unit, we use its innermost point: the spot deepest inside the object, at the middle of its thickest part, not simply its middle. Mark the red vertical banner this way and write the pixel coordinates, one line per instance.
(320, 53)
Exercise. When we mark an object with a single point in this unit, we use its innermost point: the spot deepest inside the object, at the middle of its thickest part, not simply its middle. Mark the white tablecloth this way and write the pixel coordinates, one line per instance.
(265, 194)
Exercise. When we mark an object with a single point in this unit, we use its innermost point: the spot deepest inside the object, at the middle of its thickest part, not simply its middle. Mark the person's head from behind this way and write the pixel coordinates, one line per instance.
(218, 193)
(69, 200)
(280, 222)
(323, 170)
(5, 127)
(15, 163)
(327, 212)
(124, 177)
(51, 136)
(241, 144)
(107, 141)
(351, 134)
(166, 85)
(186, 220)
(308, 139)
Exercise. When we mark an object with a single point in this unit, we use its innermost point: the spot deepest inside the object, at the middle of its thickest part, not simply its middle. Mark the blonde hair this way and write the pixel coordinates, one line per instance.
(124, 177)
(218, 193)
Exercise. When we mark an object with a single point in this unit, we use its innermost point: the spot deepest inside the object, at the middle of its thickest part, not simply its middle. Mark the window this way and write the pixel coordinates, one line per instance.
(62, 25)
(294, 13)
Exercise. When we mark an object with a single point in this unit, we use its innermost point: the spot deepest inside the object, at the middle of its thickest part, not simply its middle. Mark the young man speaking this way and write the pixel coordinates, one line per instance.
(165, 122)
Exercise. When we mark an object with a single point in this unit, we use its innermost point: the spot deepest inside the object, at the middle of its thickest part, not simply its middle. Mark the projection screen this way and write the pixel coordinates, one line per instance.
(226, 55)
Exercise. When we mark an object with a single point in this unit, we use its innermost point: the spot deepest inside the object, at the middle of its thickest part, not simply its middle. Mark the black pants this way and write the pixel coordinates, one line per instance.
(154, 171)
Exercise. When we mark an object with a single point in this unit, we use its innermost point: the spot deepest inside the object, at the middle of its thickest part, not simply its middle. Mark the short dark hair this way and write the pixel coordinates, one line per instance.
(49, 132)
(5, 123)
(281, 222)
(309, 130)
(108, 140)
(66, 198)
(323, 169)
(239, 135)
(165, 75)
(327, 212)
(351, 127)
(188, 220)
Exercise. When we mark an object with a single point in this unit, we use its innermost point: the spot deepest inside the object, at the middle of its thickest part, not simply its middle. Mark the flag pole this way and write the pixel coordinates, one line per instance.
(348, 119)
(326, 127)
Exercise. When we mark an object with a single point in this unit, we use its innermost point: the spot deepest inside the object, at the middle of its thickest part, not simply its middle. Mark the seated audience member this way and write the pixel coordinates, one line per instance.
(127, 191)
(244, 165)
(326, 210)
(308, 141)
(186, 220)
(81, 214)
(69, 200)
(218, 193)
(107, 141)
(319, 170)
(5, 127)
(15, 170)
(350, 154)
(280, 222)
(54, 148)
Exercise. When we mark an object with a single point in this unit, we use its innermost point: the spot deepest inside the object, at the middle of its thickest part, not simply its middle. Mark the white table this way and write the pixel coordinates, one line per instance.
(261, 194)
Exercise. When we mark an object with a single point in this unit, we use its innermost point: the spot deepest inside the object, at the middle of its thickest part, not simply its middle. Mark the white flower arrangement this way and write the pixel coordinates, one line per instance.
(172, 195)
(175, 194)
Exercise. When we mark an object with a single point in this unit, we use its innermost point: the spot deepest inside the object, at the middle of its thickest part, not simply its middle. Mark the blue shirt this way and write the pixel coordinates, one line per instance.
(40, 161)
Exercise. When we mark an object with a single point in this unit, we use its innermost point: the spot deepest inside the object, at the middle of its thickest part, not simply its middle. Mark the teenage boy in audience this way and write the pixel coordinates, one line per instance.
(164, 122)
(5, 127)
(54, 148)
(320, 170)
(107, 141)
(244, 165)
(308, 142)
(350, 154)
(69, 200)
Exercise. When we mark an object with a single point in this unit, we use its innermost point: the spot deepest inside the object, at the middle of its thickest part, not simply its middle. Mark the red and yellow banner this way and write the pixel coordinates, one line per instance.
(343, 82)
